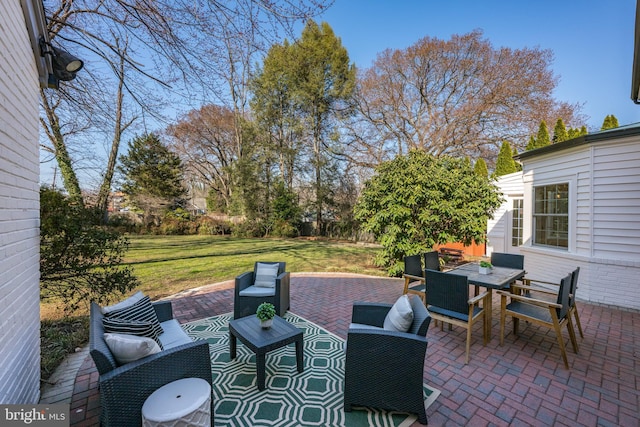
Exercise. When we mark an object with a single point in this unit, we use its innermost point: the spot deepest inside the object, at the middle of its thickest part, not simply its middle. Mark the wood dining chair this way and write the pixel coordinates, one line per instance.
(413, 276)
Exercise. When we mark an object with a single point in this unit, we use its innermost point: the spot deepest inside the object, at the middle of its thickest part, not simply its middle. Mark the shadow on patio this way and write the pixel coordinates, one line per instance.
(522, 383)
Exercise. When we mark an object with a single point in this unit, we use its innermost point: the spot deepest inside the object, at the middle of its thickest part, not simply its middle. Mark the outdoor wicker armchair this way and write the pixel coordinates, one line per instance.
(248, 296)
(123, 389)
(384, 369)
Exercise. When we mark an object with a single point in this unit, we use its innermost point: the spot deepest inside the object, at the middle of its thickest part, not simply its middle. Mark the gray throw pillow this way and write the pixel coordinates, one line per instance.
(266, 275)
(400, 317)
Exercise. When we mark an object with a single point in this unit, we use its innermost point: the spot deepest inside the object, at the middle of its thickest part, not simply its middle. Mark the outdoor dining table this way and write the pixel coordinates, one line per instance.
(499, 278)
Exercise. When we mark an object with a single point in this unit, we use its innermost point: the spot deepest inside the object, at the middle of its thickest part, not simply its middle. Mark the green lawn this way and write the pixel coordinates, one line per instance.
(168, 264)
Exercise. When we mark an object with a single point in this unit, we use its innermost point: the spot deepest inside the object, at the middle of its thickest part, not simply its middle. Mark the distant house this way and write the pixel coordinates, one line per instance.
(577, 203)
(22, 72)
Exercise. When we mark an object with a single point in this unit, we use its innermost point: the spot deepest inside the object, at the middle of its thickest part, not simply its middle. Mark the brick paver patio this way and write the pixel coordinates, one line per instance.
(521, 383)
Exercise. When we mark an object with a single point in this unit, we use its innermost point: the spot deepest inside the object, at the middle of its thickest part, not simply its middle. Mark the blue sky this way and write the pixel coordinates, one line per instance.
(592, 41)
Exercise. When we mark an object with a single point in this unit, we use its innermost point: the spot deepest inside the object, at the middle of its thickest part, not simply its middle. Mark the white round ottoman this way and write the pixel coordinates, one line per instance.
(181, 403)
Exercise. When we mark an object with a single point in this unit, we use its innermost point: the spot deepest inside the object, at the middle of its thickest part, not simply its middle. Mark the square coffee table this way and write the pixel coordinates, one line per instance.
(261, 341)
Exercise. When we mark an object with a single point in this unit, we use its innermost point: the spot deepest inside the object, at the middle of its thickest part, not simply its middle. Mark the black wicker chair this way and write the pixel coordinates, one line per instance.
(413, 277)
(123, 389)
(384, 369)
(246, 305)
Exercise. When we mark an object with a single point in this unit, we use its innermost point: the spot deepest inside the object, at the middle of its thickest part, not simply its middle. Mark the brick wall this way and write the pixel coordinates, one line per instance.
(602, 281)
(19, 211)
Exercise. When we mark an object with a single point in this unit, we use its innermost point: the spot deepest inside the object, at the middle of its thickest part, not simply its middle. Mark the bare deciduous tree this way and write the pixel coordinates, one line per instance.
(205, 141)
(154, 53)
(460, 97)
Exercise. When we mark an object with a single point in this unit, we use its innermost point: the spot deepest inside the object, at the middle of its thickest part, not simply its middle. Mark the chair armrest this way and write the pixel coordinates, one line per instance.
(478, 298)
(529, 300)
(527, 282)
(412, 277)
(124, 389)
(529, 288)
(283, 281)
(163, 309)
(369, 313)
(243, 281)
(386, 345)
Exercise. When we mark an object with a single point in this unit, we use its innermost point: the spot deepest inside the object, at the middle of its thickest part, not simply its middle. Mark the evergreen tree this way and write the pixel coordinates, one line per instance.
(576, 132)
(517, 164)
(542, 140)
(322, 84)
(505, 163)
(560, 132)
(467, 162)
(480, 168)
(610, 122)
(152, 177)
(531, 145)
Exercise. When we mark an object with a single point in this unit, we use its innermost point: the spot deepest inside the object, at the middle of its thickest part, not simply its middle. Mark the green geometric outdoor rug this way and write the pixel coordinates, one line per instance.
(310, 398)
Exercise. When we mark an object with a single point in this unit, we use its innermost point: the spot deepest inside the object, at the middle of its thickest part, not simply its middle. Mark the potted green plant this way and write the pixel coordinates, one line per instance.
(265, 313)
(485, 267)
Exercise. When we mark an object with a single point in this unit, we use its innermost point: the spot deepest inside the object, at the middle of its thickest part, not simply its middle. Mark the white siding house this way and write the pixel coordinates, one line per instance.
(22, 72)
(503, 235)
(581, 207)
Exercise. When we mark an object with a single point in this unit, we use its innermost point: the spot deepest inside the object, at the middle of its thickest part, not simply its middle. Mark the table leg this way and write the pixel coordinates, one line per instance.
(488, 312)
(299, 355)
(232, 346)
(260, 370)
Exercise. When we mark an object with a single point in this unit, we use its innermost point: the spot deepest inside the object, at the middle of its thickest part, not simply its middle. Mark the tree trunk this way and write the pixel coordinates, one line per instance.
(119, 128)
(69, 178)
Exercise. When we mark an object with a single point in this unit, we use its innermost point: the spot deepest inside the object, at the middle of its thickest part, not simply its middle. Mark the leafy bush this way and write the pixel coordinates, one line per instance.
(80, 260)
(212, 226)
(248, 228)
(177, 226)
(124, 223)
(281, 228)
(417, 201)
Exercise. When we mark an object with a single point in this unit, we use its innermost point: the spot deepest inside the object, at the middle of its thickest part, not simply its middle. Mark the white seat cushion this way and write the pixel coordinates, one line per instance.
(363, 326)
(257, 291)
(266, 275)
(400, 317)
(173, 335)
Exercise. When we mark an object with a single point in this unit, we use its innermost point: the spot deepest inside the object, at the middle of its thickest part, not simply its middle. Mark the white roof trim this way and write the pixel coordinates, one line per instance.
(36, 21)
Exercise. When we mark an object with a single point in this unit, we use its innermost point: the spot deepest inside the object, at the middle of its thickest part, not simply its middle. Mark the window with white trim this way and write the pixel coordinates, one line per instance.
(551, 215)
(516, 223)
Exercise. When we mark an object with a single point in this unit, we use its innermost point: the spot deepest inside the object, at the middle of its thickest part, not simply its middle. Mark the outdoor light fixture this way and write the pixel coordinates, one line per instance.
(65, 65)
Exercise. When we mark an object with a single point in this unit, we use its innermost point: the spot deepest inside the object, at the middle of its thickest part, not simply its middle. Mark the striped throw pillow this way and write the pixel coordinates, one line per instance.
(141, 311)
(130, 327)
